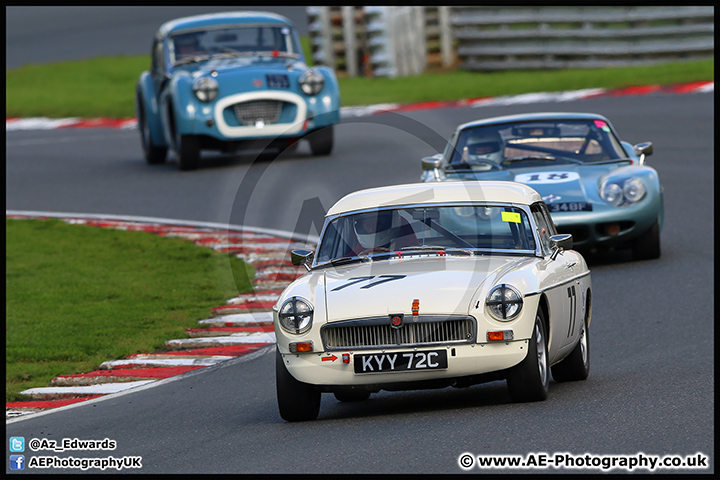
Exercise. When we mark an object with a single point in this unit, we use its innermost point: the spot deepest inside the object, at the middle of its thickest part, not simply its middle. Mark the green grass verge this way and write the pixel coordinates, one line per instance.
(105, 87)
(77, 296)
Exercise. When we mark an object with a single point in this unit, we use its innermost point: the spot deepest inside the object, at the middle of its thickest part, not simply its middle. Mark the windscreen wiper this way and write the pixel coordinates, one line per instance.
(345, 260)
(520, 158)
(195, 59)
(437, 248)
(612, 160)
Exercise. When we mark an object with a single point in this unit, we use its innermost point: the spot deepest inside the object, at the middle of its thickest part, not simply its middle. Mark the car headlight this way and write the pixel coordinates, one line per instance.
(205, 88)
(633, 189)
(504, 302)
(620, 193)
(311, 82)
(296, 315)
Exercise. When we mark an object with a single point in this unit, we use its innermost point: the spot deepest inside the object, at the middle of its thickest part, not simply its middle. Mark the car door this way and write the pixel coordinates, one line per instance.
(562, 289)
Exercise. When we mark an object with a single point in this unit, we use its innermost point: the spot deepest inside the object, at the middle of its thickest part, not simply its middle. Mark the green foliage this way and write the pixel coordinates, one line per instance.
(77, 296)
(461, 84)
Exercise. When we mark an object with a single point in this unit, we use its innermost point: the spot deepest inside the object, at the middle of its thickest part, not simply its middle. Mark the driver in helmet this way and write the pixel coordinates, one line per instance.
(483, 144)
(187, 46)
(382, 230)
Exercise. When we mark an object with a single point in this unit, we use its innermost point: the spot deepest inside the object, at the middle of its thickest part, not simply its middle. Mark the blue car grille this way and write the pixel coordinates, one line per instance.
(267, 111)
(377, 332)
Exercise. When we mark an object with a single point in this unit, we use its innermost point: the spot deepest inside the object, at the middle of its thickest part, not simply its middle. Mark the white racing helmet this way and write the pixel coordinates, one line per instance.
(376, 229)
(483, 144)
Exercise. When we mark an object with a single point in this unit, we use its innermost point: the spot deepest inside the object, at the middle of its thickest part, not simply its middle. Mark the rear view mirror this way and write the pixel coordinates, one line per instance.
(431, 163)
(302, 257)
(559, 243)
(643, 150)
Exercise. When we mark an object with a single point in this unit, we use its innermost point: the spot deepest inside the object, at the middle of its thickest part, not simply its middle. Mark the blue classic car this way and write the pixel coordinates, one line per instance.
(597, 187)
(232, 80)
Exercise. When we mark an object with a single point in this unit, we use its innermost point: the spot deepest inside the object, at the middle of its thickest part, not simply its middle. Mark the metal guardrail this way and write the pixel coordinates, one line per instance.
(510, 38)
(396, 41)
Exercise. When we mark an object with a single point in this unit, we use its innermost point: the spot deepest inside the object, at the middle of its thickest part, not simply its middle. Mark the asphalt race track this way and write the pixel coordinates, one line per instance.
(651, 386)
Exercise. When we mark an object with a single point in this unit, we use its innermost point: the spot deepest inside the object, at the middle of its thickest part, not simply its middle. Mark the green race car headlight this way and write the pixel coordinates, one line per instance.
(296, 315)
(621, 193)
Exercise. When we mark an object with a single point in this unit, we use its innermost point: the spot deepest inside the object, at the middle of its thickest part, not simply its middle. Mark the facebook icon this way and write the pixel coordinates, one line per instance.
(17, 462)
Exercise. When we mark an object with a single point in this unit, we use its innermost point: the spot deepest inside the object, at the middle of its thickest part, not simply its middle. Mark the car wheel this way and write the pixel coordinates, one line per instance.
(529, 380)
(647, 246)
(321, 141)
(297, 401)
(188, 152)
(349, 394)
(154, 155)
(575, 366)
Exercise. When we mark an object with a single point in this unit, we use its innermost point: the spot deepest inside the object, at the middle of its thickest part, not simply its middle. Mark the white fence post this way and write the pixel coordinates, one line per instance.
(446, 40)
(320, 29)
(351, 60)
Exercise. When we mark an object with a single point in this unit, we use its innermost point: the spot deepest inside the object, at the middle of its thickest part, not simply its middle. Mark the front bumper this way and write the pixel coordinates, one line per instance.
(264, 114)
(463, 361)
(592, 228)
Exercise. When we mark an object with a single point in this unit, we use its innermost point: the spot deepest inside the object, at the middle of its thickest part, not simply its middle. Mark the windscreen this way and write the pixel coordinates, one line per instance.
(232, 40)
(557, 141)
(462, 226)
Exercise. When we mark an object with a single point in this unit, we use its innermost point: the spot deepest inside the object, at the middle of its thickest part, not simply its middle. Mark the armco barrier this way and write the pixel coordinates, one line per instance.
(401, 40)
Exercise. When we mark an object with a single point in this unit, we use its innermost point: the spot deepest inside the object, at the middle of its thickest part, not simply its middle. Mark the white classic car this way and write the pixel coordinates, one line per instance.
(429, 286)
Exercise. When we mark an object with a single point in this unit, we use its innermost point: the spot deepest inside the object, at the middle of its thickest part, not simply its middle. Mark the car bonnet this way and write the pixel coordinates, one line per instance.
(557, 183)
(443, 285)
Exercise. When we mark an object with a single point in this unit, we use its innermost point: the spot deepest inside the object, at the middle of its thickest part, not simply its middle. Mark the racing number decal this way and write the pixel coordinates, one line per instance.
(381, 279)
(351, 282)
(573, 310)
(547, 177)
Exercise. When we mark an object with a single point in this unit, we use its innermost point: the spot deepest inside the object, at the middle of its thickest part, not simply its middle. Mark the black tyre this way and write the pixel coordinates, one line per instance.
(350, 394)
(576, 366)
(647, 246)
(153, 154)
(188, 152)
(321, 141)
(297, 401)
(529, 380)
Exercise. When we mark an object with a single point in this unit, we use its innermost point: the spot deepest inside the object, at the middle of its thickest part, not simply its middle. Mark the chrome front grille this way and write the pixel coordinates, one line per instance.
(249, 113)
(378, 333)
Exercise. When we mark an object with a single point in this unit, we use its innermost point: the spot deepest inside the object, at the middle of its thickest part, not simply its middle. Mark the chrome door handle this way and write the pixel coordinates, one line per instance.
(571, 265)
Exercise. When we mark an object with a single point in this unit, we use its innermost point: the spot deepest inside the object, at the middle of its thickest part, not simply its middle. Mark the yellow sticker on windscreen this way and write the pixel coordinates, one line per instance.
(511, 217)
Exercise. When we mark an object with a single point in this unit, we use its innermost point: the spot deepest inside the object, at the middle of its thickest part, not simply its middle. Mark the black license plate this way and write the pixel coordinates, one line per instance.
(400, 361)
(570, 207)
(278, 81)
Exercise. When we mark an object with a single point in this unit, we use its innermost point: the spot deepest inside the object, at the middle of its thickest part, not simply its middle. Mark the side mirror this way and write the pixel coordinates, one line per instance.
(643, 150)
(431, 163)
(561, 242)
(302, 257)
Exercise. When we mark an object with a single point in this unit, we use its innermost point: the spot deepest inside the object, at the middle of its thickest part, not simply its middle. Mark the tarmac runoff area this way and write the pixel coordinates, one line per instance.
(241, 326)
